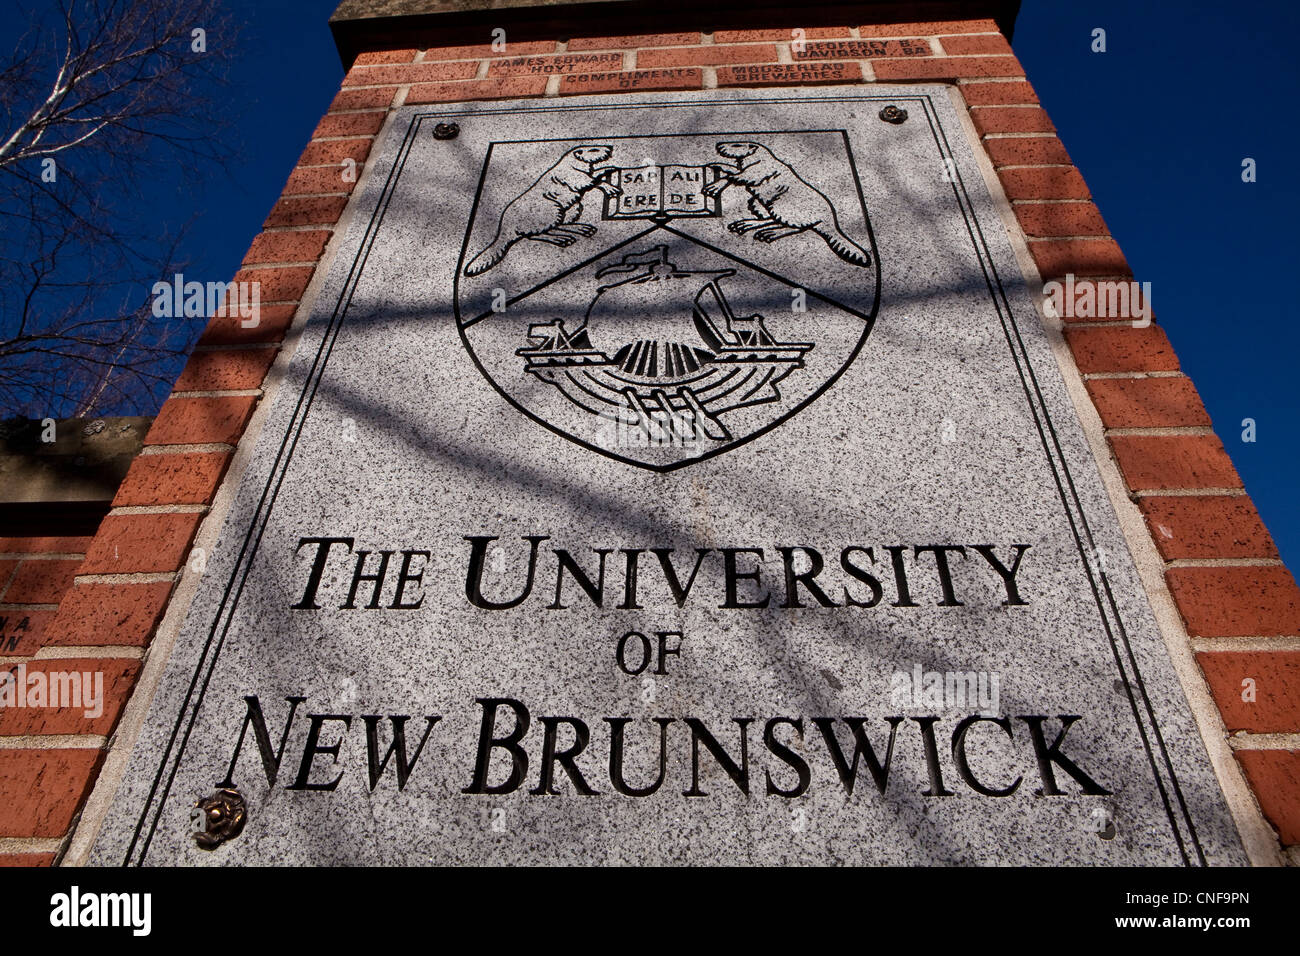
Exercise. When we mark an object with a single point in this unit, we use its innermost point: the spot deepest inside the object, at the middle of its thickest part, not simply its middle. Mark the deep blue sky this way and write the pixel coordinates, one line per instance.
(1159, 125)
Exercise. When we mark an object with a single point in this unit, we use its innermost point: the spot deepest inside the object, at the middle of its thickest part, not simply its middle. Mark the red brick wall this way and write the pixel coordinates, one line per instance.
(47, 757)
(1222, 569)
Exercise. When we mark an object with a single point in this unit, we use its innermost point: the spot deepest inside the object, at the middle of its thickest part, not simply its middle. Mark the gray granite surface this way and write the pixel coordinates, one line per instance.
(854, 364)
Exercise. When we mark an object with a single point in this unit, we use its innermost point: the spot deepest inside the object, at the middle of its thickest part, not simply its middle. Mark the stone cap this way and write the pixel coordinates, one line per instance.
(360, 25)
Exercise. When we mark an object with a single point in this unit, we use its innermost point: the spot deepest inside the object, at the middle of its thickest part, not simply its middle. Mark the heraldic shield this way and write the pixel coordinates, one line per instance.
(663, 299)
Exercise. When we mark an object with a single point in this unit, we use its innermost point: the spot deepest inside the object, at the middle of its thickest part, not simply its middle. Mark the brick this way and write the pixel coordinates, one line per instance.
(781, 74)
(332, 152)
(294, 246)
(496, 88)
(365, 99)
(188, 479)
(272, 321)
(306, 211)
(1122, 349)
(26, 859)
(1236, 601)
(41, 790)
(1013, 93)
(1275, 708)
(141, 544)
(1047, 182)
(563, 63)
(780, 36)
(287, 246)
(322, 179)
(988, 44)
(41, 580)
(218, 371)
(928, 28)
(186, 421)
(1274, 775)
(1152, 463)
(1207, 526)
(281, 284)
(676, 78)
(1081, 257)
(384, 56)
(1147, 402)
(98, 615)
(1011, 119)
(1060, 219)
(350, 124)
(23, 631)
(946, 67)
(45, 544)
(580, 44)
(118, 676)
(484, 50)
(410, 73)
(708, 55)
(862, 49)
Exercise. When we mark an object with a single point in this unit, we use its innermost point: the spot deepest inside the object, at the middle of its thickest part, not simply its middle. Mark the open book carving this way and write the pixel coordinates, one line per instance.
(646, 191)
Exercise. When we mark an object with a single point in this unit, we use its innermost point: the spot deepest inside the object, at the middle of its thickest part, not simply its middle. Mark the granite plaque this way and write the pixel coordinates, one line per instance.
(679, 478)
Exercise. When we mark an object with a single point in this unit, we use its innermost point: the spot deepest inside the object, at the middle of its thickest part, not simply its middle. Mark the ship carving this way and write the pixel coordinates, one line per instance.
(661, 349)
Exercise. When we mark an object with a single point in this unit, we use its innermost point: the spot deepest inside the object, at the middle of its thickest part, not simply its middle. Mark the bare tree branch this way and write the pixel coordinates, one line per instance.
(95, 97)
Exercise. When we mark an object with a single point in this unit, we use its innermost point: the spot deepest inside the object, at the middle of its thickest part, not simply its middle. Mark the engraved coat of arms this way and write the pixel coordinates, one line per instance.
(663, 299)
